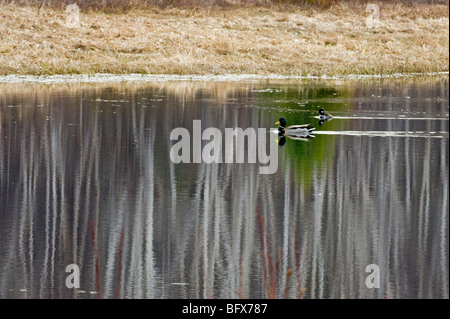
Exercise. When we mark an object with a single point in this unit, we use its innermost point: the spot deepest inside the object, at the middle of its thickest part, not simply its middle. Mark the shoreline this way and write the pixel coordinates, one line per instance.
(142, 78)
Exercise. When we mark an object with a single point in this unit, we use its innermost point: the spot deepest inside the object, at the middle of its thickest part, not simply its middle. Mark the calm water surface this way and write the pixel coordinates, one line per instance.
(86, 178)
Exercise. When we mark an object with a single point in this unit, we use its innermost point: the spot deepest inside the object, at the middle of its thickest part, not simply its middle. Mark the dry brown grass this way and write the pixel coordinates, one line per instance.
(288, 40)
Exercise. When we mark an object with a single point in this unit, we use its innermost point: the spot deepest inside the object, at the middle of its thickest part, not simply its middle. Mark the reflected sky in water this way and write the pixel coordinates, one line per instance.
(86, 178)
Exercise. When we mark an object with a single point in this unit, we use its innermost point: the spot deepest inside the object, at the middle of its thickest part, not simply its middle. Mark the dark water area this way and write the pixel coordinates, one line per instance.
(86, 179)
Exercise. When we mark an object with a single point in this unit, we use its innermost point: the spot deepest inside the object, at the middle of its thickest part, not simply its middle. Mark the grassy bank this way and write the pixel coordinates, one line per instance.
(282, 39)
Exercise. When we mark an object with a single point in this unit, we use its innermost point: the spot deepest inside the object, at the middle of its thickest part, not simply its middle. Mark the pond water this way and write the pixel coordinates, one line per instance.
(89, 191)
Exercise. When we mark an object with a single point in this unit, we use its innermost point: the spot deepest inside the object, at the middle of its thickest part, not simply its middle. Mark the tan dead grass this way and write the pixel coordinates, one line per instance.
(286, 40)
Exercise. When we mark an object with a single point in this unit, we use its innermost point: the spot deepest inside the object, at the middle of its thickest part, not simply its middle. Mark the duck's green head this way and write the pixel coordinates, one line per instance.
(321, 112)
(282, 122)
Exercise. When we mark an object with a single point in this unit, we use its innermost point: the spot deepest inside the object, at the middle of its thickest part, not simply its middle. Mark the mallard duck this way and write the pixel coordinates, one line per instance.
(303, 130)
(324, 116)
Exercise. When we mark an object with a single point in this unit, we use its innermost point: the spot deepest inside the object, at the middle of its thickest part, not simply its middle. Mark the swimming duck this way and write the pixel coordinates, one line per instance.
(303, 130)
(324, 116)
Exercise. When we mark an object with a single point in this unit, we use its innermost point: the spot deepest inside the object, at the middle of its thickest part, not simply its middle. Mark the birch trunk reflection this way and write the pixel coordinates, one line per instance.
(86, 179)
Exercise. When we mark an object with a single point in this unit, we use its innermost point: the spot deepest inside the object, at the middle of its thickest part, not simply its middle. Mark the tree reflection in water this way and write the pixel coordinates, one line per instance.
(86, 179)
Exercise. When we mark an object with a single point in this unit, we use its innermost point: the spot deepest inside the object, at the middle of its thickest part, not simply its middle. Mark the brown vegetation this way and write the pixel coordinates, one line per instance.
(254, 39)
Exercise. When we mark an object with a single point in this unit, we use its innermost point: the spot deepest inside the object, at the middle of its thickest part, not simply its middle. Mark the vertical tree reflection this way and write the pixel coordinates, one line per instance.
(86, 179)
